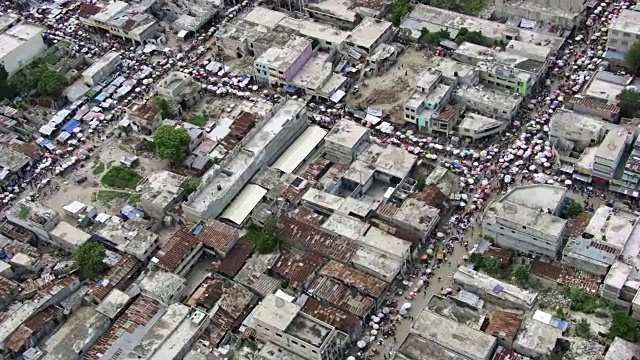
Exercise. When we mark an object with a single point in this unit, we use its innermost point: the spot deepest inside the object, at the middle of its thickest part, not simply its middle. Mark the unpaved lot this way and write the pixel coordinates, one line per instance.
(390, 90)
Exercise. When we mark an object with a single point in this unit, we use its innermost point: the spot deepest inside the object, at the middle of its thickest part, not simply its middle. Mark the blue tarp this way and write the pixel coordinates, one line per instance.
(102, 97)
(70, 125)
(614, 55)
(43, 142)
(290, 89)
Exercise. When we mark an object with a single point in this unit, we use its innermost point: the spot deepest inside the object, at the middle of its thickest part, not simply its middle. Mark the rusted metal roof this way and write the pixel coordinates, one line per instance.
(593, 104)
(502, 256)
(432, 196)
(218, 236)
(221, 322)
(316, 169)
(177, 248)
(507, 354)
(87, 10)
(119, 277)
(340, 319)
(312, 238)
(294, 195)
(7, 287)
(576, 226)
(359, 280)
(565, 276)
(141, 311)
(298, 267)
(237, 256)
(449, 113)
(243, 124)
(146, 112)
(341, 296)
(504, 325)
(38, 321)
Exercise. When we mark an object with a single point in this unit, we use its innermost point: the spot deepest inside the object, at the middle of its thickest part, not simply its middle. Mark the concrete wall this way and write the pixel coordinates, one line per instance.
(41, 231)
(293, 70)
(23, 54)
(512, 237)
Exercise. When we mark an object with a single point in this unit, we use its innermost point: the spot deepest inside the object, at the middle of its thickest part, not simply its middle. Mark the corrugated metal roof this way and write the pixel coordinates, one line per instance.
(300, 149)
(504, 325)
(359, 280)
(243, 204)
(218, 236)
(340, 319)
(237, 256)
(119, 277)
(177, 248)
(341, 296)
(298, 267)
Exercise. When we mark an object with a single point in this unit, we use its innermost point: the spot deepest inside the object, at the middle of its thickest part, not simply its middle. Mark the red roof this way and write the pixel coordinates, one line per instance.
(119, 277)
(177, 248)
(359, 280)
(217, 236)
(593, 104)
(504, 325)
(237, 256)
(298, 267)
(340, 319)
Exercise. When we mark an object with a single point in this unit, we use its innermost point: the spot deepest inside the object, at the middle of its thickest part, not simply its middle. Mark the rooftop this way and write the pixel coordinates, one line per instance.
(627, 21)
(127, 330)
(162, 285)
(416, 348)
(276, 312)
(364, 283)
(622, 349)
(538, 336)
(11, 160)
(476, 123)
(70, 234)
(504, 102)
(606, 86)
(283, 58)
(333, 292)
(161, 187)
(308, 329)
(537, 196)
(613, 145)
(449, 67)
(504, 325)
(113, 304)
(26, 210)
(453, 336)
(340, 319)
(265, 17)
(315, 30)
(348, 10)
(346, 133)
(168, 326)
(368, 32)
(345, 226)
(245, 157)
(388, 244)
(298, 267)
(378, 262)
(237, 256)
(253, 274)
(609, 227)
(75, 334)
(390, 160)
(118, 277)
(129, 238)
(570, 125)
(458, 311)
(16, 36)
(529, 50)
(533, 219)
(511, 294)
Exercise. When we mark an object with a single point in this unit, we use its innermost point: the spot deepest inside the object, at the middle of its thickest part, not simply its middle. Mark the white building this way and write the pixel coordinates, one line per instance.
(345, 141)
(34, 217)
(102, 68)
(369, 34)
(160, 190)
(575, 131)
(263, 145)
(475, 126)
(485, 286)
(487, 102)
(281, 322)
(525, 220)
(601, 243)
(68, 236)
(19, 45)
(128, 21)
(624, 31)
(610, 152)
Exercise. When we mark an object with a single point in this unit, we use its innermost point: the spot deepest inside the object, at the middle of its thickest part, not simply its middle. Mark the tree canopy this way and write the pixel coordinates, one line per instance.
(399, 8)
(171, 142)
(434, 38)
(475, 37)
(632, 57)
(6, 92)
(267, 238)
(629, 102)
(165, 109)
(421, 182)
(573, 208)
(38, 80)
(88, 259)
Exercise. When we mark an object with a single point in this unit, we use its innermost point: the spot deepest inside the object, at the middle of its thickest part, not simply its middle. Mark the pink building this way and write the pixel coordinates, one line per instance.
(279, 65)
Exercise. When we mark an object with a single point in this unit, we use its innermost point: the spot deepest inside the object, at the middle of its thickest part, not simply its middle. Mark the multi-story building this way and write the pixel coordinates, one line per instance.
(488, 103)
(507, 70)
(476, 126)
(20, 44)
(133, 22)
(429, 97)
(369, 34)
(526, 220)
(34, 217)
(631, 174)
(345, 141)
(261, 146)
(609, 154)
(281, 322)
(575, 131)
(279, 65)
(624, 31)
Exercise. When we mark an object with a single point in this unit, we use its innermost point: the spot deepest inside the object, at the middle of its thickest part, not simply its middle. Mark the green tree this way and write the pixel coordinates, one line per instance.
(624, 327)
(6, 92)
(51, 84)
(165, 109)
(573, 208)
(629, 102)
(88, 259)
(171, 142)
(399, 8)
(198, 120)
(632, 58)
(475, 37)
(434, 38)
(561, 314)
(421, 182)
(521, 274)
(192, 184)
(583, 328)
(267, 238)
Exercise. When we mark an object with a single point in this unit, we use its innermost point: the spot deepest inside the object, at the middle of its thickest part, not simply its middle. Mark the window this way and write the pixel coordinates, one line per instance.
(295, 342)
(501, 228)
(313, 351)
(626, 34)
(524, 227)
(278, 335)
(302, 346)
